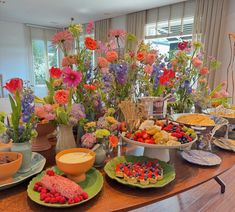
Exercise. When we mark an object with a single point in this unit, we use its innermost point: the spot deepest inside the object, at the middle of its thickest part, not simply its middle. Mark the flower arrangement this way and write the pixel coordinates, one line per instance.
(104, 131)
(191, 69)
(203, 97)
(77, 69)
(21, 124)
(124, 75)
(63, 111)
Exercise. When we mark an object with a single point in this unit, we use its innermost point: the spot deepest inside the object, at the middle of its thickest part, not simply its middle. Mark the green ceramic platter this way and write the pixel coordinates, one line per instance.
(168, 171)
(92, 185)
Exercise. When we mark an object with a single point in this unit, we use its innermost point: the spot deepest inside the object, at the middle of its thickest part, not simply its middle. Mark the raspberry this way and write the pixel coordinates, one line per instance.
(47, 200)
(53, 200)
(84, 195)
(50, 172)
(70, 201)
(35, 188)
(76, 199)
(44, 190)
(42, 196)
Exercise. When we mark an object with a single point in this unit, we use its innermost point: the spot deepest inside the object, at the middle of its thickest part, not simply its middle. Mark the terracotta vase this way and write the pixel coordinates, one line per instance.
(41, 142)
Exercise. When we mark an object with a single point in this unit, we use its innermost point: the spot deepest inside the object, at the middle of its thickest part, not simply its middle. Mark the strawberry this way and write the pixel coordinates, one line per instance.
(140, 140)
(138, 133)
(149, 141)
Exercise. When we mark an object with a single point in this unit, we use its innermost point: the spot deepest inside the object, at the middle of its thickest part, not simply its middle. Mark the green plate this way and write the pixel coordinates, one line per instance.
(92, 185)
(168, 171)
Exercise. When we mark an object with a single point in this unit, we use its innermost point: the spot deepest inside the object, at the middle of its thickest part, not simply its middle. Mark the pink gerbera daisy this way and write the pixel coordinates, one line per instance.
(63, 39)
(117, 33)
(71, 78)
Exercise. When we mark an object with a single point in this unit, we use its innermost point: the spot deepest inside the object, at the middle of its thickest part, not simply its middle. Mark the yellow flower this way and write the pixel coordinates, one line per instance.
(75, 29)
(111, 119)
(197, 44)
(90, 124)
(101, 133)
(57, 82)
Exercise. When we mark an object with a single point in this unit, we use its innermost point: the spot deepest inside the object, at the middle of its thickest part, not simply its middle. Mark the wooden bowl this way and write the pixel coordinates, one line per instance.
(7, 170)
(75, 171)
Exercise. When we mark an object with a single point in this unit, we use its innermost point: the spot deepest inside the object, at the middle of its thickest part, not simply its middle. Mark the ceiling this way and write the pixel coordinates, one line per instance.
(57, 13)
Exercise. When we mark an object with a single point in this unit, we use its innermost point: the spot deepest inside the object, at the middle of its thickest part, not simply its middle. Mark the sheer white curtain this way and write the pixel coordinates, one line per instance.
(102, 28)
(209, 25)
(42, 56)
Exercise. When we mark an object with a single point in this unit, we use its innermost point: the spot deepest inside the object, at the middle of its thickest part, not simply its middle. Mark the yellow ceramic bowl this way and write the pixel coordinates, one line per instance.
(75, 171)
(7, 170)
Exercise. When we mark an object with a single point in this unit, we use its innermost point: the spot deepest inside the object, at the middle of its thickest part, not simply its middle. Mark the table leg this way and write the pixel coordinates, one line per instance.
(221, 183)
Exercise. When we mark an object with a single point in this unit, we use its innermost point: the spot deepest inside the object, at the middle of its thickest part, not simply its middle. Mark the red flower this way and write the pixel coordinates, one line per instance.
(164, 79)
(182, 45)
(169, 72)
(167, 75)
(90, 43)
(15, 84)
(90, 87)
(55, 73)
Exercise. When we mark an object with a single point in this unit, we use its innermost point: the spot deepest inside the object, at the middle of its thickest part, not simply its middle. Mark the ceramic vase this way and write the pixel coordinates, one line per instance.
(100, 155)
(41, 143)
(26, 150)
(65, 138)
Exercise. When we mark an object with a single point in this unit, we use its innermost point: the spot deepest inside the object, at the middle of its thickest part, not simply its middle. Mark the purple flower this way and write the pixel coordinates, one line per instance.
(27, 103)
(121, 72)
(78, 111)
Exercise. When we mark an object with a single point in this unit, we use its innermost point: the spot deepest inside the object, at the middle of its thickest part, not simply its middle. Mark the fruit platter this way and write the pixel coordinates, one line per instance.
(159, 136)
(52, 189)
(140, 171)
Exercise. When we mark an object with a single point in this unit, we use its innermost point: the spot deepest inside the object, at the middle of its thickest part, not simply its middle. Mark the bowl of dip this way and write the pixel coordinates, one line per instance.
(75, 162)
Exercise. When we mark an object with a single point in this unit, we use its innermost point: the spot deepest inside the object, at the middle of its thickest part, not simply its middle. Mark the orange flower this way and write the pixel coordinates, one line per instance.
(174, 62)
(102, 62)
(111, 56)
(140, 56)
(61, 97)
(113, 140)
(90, 87)
(90, 43)
(150, 58)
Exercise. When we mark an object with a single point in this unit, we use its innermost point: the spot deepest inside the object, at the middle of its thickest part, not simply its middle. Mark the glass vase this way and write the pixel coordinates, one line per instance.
(65, 138)
(26, 150)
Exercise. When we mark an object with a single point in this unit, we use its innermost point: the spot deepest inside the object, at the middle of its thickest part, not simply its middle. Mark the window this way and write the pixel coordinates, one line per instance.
(44, 55)
(168, 25)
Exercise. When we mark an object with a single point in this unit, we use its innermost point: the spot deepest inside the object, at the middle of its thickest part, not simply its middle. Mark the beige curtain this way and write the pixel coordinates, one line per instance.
(102, 28)
(209, 21)
(136, 24)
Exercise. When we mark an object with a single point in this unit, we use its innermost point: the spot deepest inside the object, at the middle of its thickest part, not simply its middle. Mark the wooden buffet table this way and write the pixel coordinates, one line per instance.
(117, 197)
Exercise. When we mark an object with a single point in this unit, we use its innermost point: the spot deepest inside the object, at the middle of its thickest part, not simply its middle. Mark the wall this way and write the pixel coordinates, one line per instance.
(225, 48)
(13, 51)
